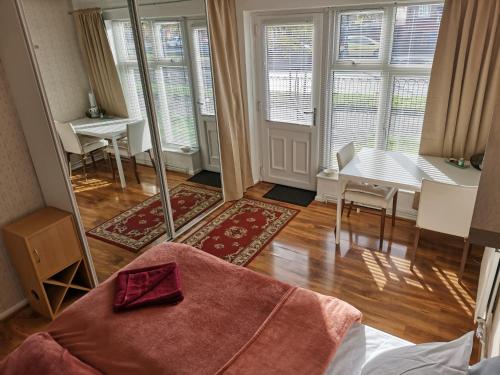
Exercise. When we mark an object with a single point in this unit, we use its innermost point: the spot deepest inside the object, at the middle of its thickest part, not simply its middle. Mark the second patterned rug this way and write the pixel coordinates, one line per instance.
(239, 233)
(139, 226)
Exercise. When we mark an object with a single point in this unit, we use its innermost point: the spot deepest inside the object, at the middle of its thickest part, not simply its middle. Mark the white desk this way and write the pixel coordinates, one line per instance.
(112, 129)
(399, 170)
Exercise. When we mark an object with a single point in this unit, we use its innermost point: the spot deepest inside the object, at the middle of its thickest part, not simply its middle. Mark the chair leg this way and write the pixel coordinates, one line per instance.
(465, 254)
(394, 204)
(350, 208)
(134, 164)
(68, 157)
(111, 166)
(382, 227)
(342, 210)
(415, 247)
(152, 161)
(84, 157)
(93, 160)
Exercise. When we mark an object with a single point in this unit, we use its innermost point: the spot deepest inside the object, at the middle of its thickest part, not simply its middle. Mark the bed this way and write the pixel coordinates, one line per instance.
(232, 321)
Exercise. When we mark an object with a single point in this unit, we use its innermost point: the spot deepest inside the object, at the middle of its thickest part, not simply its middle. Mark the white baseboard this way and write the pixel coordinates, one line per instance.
(11, 310)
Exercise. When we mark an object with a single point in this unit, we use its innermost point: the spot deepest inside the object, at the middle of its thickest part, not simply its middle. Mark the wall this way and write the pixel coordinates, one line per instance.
(19, 190)
(485, 227)
(53, 34)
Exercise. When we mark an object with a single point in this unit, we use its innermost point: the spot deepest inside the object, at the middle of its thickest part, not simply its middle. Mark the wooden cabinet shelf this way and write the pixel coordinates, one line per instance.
(46, 252)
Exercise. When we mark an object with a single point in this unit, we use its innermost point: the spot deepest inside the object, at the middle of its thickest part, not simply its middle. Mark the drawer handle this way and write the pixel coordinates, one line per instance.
(37, 256)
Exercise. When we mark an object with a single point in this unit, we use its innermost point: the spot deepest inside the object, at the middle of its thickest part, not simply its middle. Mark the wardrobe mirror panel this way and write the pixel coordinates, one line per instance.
(177, 54)
(88, 67)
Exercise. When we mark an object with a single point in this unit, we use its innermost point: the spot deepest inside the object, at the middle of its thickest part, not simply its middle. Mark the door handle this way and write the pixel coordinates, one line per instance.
(313, 112)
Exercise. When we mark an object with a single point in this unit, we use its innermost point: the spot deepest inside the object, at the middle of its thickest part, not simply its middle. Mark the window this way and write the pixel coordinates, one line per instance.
(170, 77)
(379, 77)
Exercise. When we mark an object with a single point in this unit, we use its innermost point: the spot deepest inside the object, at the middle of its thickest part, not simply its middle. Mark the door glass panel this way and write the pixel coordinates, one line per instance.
(203, 69)
(288, 63)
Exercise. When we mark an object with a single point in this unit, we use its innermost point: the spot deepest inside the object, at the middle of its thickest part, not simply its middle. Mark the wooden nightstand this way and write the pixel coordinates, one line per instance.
(47, 254)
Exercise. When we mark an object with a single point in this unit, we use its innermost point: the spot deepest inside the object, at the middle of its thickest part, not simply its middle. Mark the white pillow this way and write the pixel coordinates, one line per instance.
(436, 358)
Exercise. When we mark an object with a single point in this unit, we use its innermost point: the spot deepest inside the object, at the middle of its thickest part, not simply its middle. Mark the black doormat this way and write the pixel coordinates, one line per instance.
(291, 195)
(207, 178)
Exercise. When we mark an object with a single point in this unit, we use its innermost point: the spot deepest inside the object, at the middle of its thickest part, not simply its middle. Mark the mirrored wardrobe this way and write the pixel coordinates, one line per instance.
(129, 88)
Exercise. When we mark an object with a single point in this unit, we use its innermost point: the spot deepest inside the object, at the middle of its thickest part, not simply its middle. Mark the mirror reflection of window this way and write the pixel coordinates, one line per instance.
(168, 64)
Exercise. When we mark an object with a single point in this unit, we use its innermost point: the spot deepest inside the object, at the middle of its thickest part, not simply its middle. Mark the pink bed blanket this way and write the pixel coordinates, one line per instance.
(232, 321)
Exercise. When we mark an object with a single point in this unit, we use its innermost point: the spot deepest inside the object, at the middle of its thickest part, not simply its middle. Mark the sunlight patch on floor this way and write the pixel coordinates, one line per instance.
(89, 184)
(459, 293)
(378, 276)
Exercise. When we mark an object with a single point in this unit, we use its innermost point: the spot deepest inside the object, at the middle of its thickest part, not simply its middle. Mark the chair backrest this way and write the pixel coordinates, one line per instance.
(69, 139)
(139, 139)
(345, 155)
(446, 208)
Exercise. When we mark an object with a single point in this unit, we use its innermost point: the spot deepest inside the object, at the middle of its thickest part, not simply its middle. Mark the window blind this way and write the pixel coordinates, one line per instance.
(288, 72)
(203, 70)
(360, 35)
(355, 108)
(377, 89)
(416, 29)
(406, 115)
(169, 73)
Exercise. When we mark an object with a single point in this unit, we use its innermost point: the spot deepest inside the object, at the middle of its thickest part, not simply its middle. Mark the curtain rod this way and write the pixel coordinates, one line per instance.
(126, 7)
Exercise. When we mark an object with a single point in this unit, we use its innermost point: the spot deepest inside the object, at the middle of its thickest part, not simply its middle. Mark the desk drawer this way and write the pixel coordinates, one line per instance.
(54, 248)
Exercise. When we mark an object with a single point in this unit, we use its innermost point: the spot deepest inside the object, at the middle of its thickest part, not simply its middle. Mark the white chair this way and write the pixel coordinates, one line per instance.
(366, 194)
(137, 140)
(446, 208)
(78, 145)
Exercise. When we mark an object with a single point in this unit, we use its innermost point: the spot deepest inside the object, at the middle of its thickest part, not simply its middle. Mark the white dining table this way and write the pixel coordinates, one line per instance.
(111, 129)
(400, 170)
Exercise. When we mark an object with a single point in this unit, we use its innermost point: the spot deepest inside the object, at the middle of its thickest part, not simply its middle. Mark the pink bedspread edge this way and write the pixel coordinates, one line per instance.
(300, 336)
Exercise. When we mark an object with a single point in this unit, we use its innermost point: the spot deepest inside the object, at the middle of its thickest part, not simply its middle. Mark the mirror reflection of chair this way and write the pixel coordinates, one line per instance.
(448, 209)
(367, 194)
(78, 144)
(138, 140)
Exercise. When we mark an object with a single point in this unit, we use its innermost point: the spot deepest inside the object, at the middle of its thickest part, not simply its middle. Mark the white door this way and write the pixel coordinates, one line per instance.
(207, 126)
(289, 96)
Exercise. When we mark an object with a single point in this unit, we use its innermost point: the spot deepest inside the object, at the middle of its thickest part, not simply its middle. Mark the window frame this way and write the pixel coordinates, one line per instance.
(383, 65)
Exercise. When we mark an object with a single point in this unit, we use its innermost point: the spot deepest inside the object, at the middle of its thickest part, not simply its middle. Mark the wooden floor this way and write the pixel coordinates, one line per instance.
(426, 304)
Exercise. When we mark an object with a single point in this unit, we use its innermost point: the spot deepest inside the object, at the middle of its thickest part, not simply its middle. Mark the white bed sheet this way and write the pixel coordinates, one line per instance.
(361, 344)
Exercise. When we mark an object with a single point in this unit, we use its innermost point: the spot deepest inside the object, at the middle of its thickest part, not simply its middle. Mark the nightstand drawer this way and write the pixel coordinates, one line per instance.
(54, 248)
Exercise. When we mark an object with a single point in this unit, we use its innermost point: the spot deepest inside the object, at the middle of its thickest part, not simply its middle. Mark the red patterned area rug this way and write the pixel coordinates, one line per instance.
(139, 226)
(239, 233)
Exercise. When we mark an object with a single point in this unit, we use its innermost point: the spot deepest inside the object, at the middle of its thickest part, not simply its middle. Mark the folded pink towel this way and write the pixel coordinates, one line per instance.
(153, 285)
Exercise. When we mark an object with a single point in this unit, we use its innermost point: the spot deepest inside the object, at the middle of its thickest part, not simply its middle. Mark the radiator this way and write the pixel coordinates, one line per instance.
(487, 312)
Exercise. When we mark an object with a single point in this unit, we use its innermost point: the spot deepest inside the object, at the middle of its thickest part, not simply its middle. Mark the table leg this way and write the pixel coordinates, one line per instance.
(339, 211)
(119, 163)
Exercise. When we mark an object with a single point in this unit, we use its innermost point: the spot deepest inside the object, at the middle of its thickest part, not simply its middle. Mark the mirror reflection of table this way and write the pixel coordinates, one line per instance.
(111, 129)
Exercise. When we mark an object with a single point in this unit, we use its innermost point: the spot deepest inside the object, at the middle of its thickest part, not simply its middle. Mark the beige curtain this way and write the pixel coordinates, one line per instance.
(233, 127)
(99, 61)
(465, 80)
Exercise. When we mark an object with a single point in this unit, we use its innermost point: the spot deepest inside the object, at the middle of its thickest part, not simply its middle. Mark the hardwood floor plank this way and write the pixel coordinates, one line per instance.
(426, 304)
